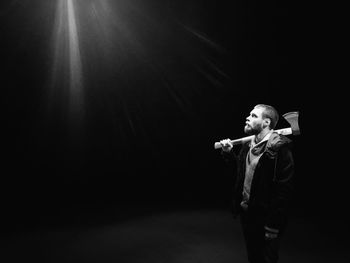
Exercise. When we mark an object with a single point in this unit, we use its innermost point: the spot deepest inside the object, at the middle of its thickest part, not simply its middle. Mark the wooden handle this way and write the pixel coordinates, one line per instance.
(285, 131)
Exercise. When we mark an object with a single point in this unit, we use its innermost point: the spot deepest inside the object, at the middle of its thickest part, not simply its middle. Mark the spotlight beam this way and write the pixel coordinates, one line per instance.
(67, 78)
(75, 65)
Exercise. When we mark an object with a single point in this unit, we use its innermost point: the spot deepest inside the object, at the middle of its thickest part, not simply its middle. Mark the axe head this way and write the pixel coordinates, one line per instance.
(292, 119)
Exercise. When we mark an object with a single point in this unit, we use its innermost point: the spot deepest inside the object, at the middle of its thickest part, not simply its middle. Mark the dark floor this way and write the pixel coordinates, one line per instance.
(174, 236)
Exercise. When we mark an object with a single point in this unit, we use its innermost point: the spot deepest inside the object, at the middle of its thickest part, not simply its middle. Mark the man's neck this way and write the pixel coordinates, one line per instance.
(258, 138)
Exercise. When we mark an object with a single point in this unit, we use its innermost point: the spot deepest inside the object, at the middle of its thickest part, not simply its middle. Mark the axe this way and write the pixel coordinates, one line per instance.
(290, 117)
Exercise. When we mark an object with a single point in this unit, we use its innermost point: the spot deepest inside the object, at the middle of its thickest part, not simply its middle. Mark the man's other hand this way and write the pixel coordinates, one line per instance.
(226, 145)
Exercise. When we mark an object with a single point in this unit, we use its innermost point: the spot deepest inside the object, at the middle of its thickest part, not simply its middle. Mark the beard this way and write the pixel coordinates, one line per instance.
(252, 130)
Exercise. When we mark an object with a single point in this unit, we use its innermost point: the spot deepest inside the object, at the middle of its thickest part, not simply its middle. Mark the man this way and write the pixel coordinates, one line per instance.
(263, 184)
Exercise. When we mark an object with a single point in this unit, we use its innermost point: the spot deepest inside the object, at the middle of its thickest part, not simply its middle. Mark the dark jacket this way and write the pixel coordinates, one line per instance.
(272, 185)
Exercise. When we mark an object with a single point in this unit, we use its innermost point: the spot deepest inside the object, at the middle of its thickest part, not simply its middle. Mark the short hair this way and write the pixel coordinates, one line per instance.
(269, 112)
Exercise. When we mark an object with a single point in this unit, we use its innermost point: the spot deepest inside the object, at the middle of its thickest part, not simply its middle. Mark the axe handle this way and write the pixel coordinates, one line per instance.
(285, 131)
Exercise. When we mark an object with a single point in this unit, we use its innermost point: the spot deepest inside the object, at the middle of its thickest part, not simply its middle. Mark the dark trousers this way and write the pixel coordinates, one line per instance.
(259, 249)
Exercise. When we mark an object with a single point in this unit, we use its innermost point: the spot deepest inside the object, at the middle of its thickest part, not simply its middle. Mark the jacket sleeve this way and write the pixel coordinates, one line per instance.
(282, 188)
(230, 158)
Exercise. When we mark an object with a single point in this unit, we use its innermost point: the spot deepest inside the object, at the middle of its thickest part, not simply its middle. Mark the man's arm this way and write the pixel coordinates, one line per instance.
(281, 191)
(226, 151)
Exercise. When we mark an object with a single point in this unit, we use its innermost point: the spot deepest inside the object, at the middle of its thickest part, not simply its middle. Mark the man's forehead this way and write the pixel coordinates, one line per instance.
(257, 111)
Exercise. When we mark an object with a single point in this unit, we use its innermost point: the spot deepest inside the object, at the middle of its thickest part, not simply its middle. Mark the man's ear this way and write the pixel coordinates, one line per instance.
(267, 122)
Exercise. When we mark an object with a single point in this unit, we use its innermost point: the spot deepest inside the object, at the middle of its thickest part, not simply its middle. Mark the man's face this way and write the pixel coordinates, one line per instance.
(254, 122)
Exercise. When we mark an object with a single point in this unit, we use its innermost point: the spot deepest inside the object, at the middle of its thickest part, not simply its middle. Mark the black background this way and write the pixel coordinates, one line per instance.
(152, 115)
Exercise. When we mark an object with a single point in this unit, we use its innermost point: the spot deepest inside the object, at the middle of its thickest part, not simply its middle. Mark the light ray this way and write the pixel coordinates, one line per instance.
(75, 83)
(67, 73)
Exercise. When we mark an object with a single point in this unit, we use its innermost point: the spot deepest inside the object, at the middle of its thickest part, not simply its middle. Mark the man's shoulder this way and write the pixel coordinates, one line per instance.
(276, 141)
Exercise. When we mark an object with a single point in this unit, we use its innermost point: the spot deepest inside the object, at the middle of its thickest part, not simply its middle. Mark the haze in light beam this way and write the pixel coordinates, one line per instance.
(67, 78)
(75, 82)
(103, 49)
